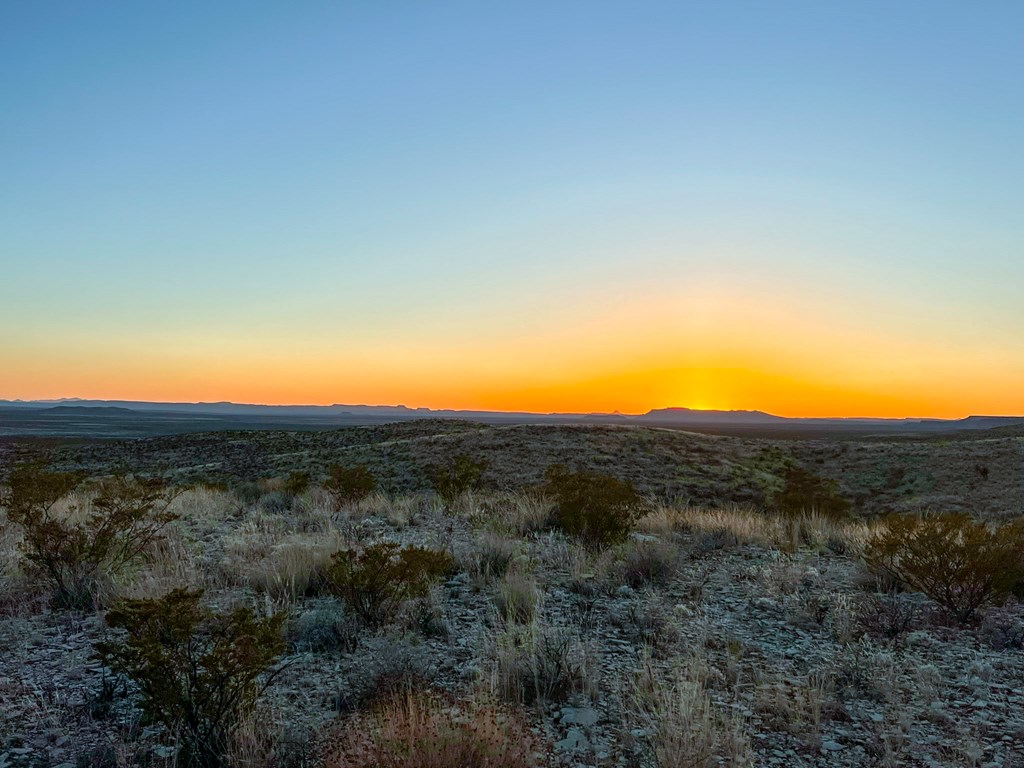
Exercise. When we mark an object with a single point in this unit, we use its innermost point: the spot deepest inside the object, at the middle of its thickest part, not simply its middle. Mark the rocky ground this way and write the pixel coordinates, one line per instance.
(779, 645)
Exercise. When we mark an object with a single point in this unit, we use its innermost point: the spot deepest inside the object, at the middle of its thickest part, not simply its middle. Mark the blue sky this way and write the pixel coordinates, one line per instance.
(365, 173)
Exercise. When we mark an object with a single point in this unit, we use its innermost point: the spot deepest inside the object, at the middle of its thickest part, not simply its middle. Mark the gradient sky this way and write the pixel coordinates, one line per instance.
(811, 208)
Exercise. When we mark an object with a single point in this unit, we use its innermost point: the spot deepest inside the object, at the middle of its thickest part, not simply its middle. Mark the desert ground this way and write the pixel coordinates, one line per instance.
(719, 627)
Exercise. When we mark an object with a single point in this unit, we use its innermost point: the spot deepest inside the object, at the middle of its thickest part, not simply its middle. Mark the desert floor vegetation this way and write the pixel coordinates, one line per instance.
(356, 626)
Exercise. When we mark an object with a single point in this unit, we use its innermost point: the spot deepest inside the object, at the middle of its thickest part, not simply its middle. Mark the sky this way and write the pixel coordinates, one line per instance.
(808, 208)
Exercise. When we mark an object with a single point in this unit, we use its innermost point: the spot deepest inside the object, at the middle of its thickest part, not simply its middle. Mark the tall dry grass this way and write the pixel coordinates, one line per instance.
(751, 526)
(537, 663)
(424, 730)
(685, 728)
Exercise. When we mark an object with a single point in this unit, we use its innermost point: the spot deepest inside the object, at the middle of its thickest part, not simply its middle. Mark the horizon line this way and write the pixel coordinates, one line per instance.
(60, 400)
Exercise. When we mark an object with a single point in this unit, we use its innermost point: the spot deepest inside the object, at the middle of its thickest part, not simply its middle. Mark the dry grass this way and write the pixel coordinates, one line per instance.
(488, 558)
(685, 728)
(426, 730)
(267, 558)
(751, 526)
(536, 663)
(517, 597)
(509, 514)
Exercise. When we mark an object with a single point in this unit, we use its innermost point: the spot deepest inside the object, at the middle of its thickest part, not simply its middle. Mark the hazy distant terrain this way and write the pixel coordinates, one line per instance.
(122, 418)
(974, 471)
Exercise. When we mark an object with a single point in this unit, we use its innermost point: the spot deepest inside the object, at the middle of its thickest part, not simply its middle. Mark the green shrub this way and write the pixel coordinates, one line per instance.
(296, 483)
(452, 480)
(376, 581)
(597, 508)
(961, 564)
(805, 492)
(75, 553)
(198, 673)
(349, 484)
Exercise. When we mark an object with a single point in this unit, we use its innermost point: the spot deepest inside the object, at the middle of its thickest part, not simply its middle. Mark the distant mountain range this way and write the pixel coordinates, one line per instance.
(320, 416)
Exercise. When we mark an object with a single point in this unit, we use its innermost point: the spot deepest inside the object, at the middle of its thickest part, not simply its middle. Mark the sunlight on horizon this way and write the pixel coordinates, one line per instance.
(577, 208)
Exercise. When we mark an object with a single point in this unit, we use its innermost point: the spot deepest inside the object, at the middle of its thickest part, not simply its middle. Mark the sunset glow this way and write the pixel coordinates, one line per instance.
(730, 208)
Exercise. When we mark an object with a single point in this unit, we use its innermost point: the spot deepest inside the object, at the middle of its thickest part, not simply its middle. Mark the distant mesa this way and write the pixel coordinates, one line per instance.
(693, 416)
(91, 410)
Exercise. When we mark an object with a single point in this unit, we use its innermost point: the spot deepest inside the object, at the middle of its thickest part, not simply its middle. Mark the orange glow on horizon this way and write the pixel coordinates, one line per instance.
(708, 351)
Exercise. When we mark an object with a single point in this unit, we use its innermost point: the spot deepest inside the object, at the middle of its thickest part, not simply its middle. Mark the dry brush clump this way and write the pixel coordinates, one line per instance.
(536, 663)
(600, 510)
(376, 581)
(198, 672)
(284, 566)
(962, 564)
(720, 527)
(451, 480)
(426, 729)
(348, 485)
(81, 548)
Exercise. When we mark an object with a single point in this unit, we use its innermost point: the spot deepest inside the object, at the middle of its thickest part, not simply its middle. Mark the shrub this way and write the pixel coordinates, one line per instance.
(538, 664)
(296, 483)
(650, 562)
(376, 581)
(383, 666)
(805, 492)
(452, 480)
(348, 485)
(76, 553)
(427, 730)
(889, 615)
(197, 672)
(599, 509)
(961, 564)
(324, 627)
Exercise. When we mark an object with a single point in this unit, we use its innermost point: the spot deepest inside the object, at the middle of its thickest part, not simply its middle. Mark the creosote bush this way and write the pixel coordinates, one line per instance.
(76, 551)
(198, 672)
(961, 564)
(452, 480)
(804, 492)
(347, 485)
(424, 729)
(599, 509)
(376, 581)
(296, 483)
